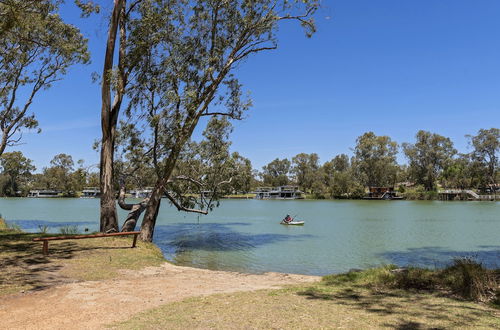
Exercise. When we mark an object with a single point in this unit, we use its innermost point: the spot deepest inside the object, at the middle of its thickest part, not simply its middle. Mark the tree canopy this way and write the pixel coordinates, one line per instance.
(36, 49)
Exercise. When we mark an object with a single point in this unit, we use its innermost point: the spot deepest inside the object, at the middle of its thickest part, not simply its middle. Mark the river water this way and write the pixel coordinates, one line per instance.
(245, 235)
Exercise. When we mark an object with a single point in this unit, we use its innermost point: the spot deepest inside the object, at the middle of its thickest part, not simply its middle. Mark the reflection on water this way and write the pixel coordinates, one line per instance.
(245, 235)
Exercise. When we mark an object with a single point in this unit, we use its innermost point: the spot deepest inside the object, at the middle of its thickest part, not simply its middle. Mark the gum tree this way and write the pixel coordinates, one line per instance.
(176, 64)
(36, 49)
(486, 152)
(375, 160)
(428, 156)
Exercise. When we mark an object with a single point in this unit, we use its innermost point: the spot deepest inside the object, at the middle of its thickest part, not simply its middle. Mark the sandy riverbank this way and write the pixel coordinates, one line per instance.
(94, 304)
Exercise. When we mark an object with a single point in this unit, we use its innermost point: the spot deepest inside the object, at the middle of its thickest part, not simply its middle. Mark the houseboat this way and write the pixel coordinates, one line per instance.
(141, 193)
(379, 193)
(91, 192)
(282, 192)
(45, 193)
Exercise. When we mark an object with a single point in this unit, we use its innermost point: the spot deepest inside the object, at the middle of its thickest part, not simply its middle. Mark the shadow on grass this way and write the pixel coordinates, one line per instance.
(406, 306)
(23, 264)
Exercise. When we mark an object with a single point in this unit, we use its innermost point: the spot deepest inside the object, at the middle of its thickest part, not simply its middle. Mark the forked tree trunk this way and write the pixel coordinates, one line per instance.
(135, 211)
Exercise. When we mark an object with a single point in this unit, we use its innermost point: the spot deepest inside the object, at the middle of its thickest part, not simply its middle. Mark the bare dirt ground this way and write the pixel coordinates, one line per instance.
(95, 304)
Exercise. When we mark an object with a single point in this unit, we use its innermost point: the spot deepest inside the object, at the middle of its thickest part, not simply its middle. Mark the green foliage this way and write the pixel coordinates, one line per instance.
(430, 154)
(36, 49)
(486, 153)
(63, 177)
(276, 173)
(375, 160)
(16, 173)
(304, 168)
(419, 192)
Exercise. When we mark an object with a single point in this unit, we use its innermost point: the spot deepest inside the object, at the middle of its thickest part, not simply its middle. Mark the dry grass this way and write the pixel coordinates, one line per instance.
(24, 267)
(337, 302)
(316, 307)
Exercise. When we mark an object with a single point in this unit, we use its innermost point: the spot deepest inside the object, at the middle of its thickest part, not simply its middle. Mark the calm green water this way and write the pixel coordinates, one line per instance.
(244, 235)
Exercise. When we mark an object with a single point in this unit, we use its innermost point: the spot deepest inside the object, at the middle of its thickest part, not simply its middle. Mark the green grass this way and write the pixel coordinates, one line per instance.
(355, 300)
(24, 267)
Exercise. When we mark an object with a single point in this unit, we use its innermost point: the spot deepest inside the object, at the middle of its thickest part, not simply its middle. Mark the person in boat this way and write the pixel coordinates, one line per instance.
(288, 218)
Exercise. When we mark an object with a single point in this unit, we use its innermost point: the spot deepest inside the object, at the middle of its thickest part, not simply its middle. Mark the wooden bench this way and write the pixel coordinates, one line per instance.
(46, 240)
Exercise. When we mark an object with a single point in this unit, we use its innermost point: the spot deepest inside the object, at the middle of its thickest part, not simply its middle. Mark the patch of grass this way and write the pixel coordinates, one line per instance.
(69, 230)
(10, 227)
(328, 304)
(367, 277)
(466, 278)
(24, 267)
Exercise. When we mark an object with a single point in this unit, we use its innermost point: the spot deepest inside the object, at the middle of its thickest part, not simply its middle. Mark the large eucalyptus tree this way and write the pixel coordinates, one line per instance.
(176, 64)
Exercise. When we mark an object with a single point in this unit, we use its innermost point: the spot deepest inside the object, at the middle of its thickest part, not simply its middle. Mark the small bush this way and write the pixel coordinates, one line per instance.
(415, 278)
(419, 193)
(471, 280)
(43, 229)
(69, 230)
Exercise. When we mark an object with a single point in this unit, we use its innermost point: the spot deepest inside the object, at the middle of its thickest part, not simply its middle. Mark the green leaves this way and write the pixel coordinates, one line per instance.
(36, 48)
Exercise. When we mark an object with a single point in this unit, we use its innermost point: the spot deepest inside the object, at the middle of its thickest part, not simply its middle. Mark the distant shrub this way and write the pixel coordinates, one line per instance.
(69, 230)
(419, 193)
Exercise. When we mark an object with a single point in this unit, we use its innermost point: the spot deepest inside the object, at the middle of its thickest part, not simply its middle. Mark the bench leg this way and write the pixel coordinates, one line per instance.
(45, 248)
(135, 240)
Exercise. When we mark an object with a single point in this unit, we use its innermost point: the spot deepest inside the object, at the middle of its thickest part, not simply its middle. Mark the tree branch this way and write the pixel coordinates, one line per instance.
(182, 208)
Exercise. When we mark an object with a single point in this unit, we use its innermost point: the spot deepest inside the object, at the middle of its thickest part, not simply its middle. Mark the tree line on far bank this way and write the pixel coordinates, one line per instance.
(432, 161)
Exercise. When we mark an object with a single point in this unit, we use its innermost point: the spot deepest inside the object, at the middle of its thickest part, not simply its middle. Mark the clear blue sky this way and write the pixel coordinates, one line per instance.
(388, 66)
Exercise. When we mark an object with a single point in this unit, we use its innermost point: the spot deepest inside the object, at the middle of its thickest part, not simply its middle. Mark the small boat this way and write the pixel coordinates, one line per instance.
(292, 223)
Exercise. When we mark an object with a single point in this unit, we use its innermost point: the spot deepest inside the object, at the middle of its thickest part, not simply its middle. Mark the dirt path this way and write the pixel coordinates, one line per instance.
(93, 304)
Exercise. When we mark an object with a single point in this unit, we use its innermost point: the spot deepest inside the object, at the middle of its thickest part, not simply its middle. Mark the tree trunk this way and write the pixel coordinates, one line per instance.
(109, 117)
(109, 216)
(135, 211)
(152, 209)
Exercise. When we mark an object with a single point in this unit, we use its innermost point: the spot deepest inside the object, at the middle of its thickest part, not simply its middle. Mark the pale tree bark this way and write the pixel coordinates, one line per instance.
(135, 211)
(109, 117)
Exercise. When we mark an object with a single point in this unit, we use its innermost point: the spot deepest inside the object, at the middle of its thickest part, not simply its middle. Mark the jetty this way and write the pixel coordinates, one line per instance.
(466, 195)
